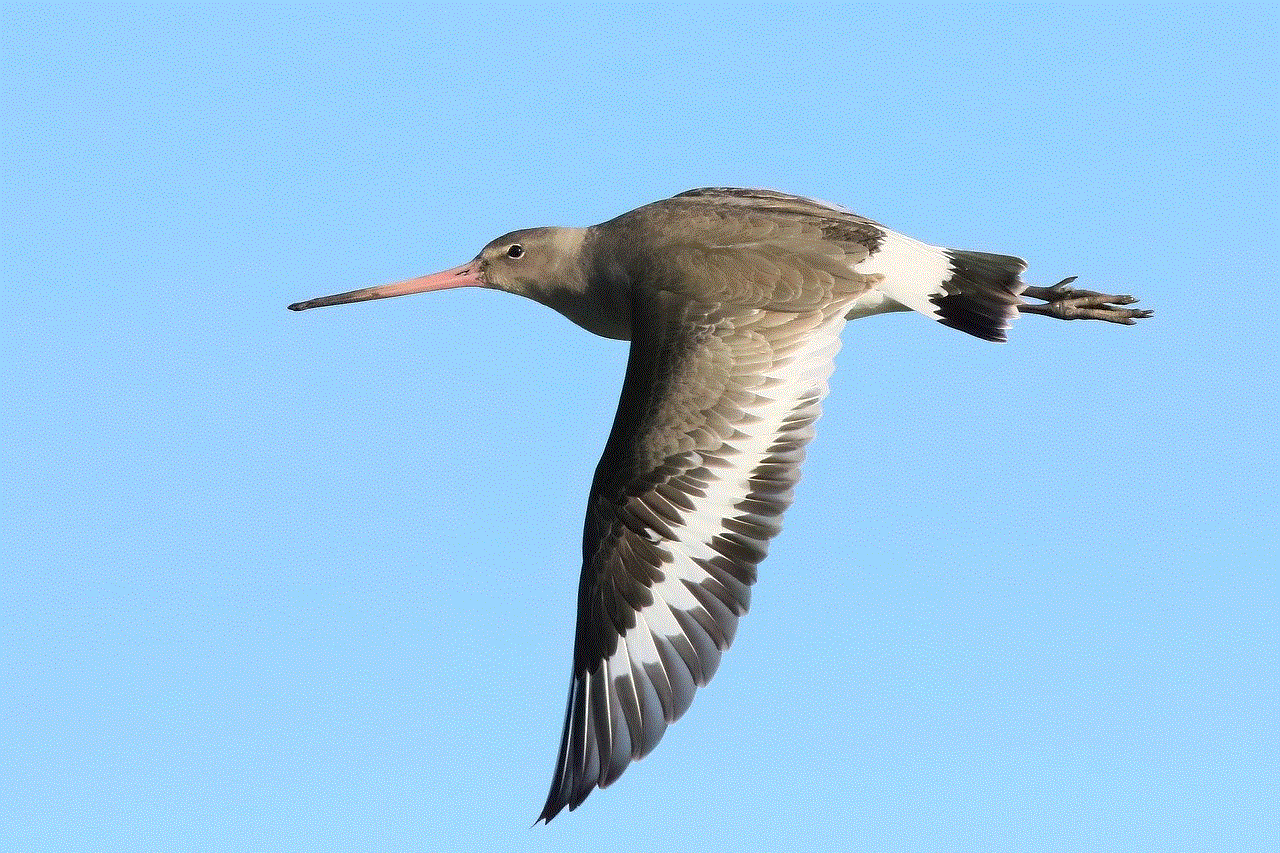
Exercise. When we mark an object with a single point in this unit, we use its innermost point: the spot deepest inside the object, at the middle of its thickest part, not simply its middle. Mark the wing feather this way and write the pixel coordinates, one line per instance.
(716, 410)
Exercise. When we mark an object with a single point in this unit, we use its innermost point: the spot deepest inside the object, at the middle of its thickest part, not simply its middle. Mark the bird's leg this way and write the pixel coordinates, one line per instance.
(1065, 303)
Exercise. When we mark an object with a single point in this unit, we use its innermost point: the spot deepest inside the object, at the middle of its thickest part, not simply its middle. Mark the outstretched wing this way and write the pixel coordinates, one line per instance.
(716, 409)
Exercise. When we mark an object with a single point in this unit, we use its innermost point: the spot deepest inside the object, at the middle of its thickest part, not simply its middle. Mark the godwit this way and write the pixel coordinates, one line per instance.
(733, 300)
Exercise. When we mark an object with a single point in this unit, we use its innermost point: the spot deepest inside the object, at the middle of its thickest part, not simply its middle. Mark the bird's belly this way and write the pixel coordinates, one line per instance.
(872, 302)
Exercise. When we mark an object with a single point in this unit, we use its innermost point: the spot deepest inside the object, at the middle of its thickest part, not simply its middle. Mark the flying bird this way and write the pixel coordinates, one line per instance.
(733, 300)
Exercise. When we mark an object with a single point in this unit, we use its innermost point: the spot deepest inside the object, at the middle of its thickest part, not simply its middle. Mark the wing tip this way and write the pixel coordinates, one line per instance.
(549, 811)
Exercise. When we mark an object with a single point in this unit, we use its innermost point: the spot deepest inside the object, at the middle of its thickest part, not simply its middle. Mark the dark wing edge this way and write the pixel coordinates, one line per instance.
(716, 410)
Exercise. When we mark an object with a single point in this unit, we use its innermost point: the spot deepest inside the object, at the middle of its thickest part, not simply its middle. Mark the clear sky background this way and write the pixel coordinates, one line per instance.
(305, 582)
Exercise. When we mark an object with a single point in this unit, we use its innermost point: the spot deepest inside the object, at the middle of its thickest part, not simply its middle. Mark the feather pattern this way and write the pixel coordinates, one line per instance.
(716, 409)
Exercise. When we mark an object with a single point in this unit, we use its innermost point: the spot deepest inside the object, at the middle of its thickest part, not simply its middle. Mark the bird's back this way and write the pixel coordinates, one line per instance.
(742, 247)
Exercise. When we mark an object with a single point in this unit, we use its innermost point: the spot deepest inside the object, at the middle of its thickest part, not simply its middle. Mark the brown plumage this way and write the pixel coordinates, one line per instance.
(734, 301)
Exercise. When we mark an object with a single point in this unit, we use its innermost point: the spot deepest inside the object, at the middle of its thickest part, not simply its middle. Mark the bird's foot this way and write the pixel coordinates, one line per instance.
(1066, 303)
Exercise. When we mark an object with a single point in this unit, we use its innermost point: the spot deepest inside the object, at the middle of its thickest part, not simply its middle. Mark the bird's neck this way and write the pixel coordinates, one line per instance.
(597, 299)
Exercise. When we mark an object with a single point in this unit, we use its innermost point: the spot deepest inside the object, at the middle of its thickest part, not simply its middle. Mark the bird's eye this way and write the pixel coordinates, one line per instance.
(515, 251)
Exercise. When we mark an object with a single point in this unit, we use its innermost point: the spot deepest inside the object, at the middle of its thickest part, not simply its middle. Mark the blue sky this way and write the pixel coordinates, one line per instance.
(306, 582)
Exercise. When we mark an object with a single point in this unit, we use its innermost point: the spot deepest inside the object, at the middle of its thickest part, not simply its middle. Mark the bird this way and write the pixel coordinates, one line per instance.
(733, 301)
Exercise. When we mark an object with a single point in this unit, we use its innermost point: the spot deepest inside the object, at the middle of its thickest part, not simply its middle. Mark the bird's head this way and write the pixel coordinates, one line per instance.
(533, 262)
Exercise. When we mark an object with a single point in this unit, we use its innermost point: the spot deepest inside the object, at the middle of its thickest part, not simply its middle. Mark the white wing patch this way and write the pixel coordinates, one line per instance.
(706, 539)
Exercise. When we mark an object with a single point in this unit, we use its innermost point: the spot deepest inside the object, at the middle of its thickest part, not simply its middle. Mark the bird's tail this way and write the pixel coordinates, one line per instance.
(981, 296)
(975, 292)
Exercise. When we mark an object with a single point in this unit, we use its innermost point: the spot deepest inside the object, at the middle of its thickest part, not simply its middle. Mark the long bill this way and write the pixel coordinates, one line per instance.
(467, 275)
